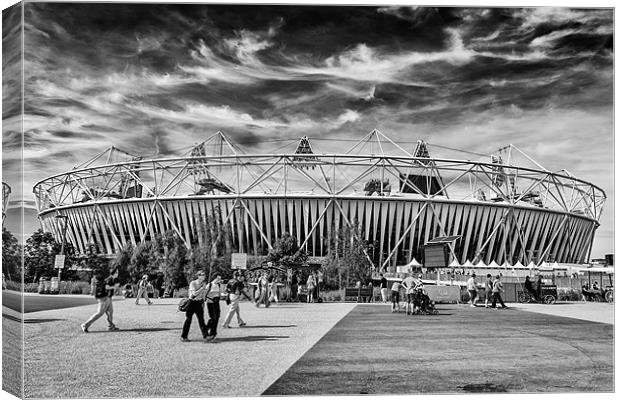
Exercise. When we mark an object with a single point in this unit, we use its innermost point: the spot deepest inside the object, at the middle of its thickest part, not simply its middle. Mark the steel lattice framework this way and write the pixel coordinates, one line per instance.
(503, 213)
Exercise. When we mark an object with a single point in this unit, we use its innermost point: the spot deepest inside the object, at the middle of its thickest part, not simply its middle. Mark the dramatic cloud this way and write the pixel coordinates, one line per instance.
(157, 78)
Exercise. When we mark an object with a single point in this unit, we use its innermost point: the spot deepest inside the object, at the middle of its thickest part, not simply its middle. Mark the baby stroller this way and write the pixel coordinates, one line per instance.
(423, 304)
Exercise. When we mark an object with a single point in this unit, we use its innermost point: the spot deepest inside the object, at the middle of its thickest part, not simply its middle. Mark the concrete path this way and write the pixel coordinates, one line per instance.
(64, 362)
(589, 311)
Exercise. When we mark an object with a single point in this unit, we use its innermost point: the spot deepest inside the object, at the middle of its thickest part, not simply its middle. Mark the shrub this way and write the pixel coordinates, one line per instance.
(567, 294)
(12, 285)
(31, 287)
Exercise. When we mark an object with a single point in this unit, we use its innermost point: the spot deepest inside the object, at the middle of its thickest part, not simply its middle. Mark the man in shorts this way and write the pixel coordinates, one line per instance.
(396, 296)
(409, 284)
(472, 289)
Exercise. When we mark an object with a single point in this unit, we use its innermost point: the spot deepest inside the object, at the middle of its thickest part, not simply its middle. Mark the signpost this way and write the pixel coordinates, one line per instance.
(239, 260)
(59, 261)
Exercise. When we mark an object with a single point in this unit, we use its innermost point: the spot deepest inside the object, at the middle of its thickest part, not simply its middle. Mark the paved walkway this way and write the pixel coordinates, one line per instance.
(62, 361)
(589, 311)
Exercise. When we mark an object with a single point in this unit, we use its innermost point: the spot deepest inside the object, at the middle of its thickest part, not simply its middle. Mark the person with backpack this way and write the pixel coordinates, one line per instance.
(103, 290)
(196, 293)
(235, 288)
(143, 286)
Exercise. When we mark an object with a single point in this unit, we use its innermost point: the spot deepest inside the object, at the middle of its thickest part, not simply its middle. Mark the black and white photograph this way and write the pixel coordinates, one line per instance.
(222, 200)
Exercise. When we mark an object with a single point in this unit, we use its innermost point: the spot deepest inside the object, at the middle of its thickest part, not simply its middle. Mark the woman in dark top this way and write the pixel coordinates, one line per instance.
(530, 288)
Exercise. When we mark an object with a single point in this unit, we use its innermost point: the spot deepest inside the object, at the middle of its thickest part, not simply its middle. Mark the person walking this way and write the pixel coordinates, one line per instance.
(384, 289)
(273, 289)
(409, 284)
(294, 286)
(488, 291)
(472, 289)
(235, 289)
(310, 285)
(263, 290)
(143, 290)
(396, 296)
(103, 290)
(212, 298)
(529, 287)
(498, 288)
(196, 293)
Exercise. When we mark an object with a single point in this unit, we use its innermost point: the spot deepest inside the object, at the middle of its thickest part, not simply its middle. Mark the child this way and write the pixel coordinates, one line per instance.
(396, 296)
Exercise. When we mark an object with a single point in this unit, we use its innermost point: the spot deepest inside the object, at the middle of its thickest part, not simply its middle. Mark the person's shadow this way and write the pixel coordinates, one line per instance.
(137, 330)
(257, 338)
(268, 326)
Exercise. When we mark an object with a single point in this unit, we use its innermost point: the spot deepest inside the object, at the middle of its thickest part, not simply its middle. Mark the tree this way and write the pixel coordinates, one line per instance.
(287, 253)
(11, 256)
(142, 259)
(213, 255)
(122, 261)
(39, 252)
(347, 259)
(94, 261)
(174, 259)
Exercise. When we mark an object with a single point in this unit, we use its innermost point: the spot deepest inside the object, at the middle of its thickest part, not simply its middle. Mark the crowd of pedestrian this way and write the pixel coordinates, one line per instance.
(201, 292)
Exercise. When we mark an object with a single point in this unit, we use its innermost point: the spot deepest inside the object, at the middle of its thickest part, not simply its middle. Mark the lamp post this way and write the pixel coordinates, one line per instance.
(64, 238)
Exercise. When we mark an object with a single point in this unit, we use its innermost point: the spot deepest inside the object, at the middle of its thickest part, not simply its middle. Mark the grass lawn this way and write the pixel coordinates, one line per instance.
(462, 350)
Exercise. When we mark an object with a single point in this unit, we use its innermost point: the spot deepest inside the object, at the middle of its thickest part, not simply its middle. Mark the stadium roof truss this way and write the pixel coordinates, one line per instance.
(217, 169)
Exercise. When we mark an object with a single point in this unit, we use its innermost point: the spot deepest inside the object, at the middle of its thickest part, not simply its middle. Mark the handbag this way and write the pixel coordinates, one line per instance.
(227, 299)
(184, 304)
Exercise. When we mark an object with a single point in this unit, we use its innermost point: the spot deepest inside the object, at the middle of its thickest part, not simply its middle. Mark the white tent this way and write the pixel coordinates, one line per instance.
(454, 264)
(545, 267)
(531, 265)
(467, 264)
(493, 265)
(481, 264)
(414, 263)
(518, 265)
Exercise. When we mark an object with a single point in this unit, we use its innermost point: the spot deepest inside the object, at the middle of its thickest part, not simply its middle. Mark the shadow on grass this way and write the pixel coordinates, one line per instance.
(258, 338)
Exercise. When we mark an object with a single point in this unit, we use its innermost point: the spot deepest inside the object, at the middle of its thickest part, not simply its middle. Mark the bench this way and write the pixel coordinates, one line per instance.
(361, 295)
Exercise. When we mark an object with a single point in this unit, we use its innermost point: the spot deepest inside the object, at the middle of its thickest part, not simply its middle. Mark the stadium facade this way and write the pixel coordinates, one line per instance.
(398, 200)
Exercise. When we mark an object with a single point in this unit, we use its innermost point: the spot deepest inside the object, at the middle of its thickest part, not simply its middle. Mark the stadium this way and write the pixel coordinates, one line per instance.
(495, 211)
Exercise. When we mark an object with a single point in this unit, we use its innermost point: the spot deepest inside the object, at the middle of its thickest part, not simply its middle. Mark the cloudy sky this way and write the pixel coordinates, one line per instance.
(154, 79)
